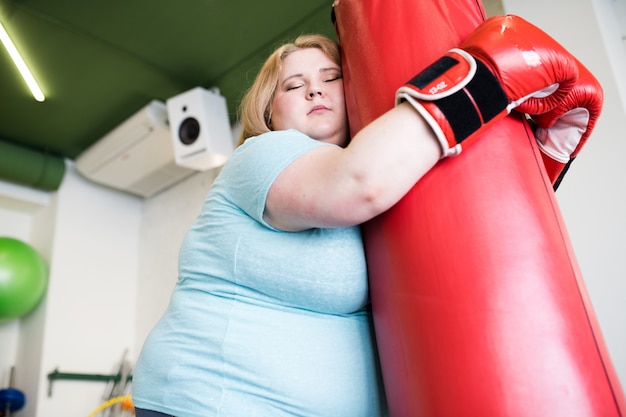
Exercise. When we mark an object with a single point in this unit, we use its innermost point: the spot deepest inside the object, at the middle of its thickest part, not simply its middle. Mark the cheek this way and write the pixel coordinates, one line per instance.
(340, 98)
(340, 103)
(280, 112)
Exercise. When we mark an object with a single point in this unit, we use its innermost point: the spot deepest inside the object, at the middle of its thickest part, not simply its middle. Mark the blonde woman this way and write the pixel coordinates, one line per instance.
(270, 316)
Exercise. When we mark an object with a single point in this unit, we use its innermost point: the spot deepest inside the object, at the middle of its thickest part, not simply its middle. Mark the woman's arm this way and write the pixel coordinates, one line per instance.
(506, 63)
(338, 187)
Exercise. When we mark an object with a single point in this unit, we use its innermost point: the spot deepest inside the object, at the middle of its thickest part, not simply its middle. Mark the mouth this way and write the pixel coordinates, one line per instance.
(318, 109)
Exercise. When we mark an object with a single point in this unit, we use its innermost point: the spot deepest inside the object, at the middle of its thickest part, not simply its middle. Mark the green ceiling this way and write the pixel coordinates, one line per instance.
(99, 61)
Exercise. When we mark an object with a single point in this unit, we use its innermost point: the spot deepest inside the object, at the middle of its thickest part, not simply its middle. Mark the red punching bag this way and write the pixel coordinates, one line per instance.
(479, 304)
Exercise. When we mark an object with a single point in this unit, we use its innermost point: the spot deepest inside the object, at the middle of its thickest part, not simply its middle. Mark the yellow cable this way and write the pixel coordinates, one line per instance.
(110, 403)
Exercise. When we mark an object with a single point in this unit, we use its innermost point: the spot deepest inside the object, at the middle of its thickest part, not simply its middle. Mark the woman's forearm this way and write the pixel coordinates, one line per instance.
(337, 187)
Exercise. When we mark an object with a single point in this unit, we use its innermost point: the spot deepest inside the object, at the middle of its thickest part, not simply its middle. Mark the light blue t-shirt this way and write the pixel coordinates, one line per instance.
(262, 322)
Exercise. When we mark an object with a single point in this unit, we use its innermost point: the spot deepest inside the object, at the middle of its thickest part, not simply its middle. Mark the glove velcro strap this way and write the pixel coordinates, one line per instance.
(464, 91)
(478, 103)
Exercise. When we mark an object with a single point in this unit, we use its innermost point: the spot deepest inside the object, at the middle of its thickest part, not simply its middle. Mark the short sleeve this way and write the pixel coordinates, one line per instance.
(247, 177)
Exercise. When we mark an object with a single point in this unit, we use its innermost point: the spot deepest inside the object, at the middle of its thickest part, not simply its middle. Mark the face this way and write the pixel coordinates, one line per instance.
(310, 97)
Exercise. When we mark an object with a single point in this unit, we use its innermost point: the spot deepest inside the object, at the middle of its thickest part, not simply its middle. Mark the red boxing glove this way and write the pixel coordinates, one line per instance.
(505, 63)
(563, 131)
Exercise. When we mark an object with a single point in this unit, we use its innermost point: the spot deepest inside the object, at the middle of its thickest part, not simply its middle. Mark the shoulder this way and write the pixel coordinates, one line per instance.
(288, 138)
(254, 166)
(276, 148)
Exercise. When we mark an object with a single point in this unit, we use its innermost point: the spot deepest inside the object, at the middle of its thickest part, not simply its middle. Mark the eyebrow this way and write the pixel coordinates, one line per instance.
(322, 70)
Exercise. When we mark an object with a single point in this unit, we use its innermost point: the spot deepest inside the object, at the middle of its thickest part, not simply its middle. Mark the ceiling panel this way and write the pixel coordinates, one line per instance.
(100, 61)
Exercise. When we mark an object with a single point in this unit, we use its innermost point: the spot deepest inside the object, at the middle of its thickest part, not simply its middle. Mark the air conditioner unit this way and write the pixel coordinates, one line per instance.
(137, 156)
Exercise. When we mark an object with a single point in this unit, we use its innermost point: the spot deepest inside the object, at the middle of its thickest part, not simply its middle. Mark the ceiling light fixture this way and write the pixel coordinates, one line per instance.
(21, 65)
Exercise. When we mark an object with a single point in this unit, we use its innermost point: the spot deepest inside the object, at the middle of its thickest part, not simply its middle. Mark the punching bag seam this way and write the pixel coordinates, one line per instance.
(481, 9)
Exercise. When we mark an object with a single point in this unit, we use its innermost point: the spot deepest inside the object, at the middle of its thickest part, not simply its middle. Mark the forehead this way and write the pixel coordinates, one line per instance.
(305, 60)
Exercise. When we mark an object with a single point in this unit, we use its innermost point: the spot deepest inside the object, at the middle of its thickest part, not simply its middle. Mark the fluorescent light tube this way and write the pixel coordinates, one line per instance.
(21, 65)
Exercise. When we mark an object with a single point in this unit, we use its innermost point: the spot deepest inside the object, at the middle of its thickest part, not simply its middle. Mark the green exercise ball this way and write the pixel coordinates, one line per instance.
(23, 278)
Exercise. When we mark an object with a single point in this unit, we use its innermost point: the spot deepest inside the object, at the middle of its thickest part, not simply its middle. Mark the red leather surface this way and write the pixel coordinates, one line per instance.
(479, 304)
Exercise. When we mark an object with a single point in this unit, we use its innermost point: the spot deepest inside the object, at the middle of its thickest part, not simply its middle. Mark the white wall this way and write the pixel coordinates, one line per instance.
(89, 237)
(592, 196)
(90, 305)
(18, 207)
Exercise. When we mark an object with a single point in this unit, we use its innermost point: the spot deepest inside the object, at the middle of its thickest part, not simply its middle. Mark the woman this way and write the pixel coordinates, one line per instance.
(265, 322)
(270, 314)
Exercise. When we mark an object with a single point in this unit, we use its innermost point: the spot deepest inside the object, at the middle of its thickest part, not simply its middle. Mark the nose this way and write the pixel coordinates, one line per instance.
(315, 90)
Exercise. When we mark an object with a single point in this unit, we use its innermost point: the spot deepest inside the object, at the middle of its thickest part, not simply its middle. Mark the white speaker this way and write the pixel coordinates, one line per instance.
(200, 129)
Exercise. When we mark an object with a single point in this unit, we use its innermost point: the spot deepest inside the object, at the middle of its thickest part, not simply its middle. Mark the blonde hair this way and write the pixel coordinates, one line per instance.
(255, 109)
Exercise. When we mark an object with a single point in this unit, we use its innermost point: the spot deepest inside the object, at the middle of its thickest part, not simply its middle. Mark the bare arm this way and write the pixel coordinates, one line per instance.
(338, 187)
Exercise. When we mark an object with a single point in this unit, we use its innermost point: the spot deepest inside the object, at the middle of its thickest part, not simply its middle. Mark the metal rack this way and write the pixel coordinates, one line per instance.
(56, 375)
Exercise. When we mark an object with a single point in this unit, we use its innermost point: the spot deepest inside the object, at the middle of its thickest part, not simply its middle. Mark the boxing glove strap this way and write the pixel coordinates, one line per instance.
(467, 94)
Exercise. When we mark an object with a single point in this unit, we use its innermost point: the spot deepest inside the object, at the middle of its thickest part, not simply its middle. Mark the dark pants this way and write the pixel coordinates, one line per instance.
(139, 412)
